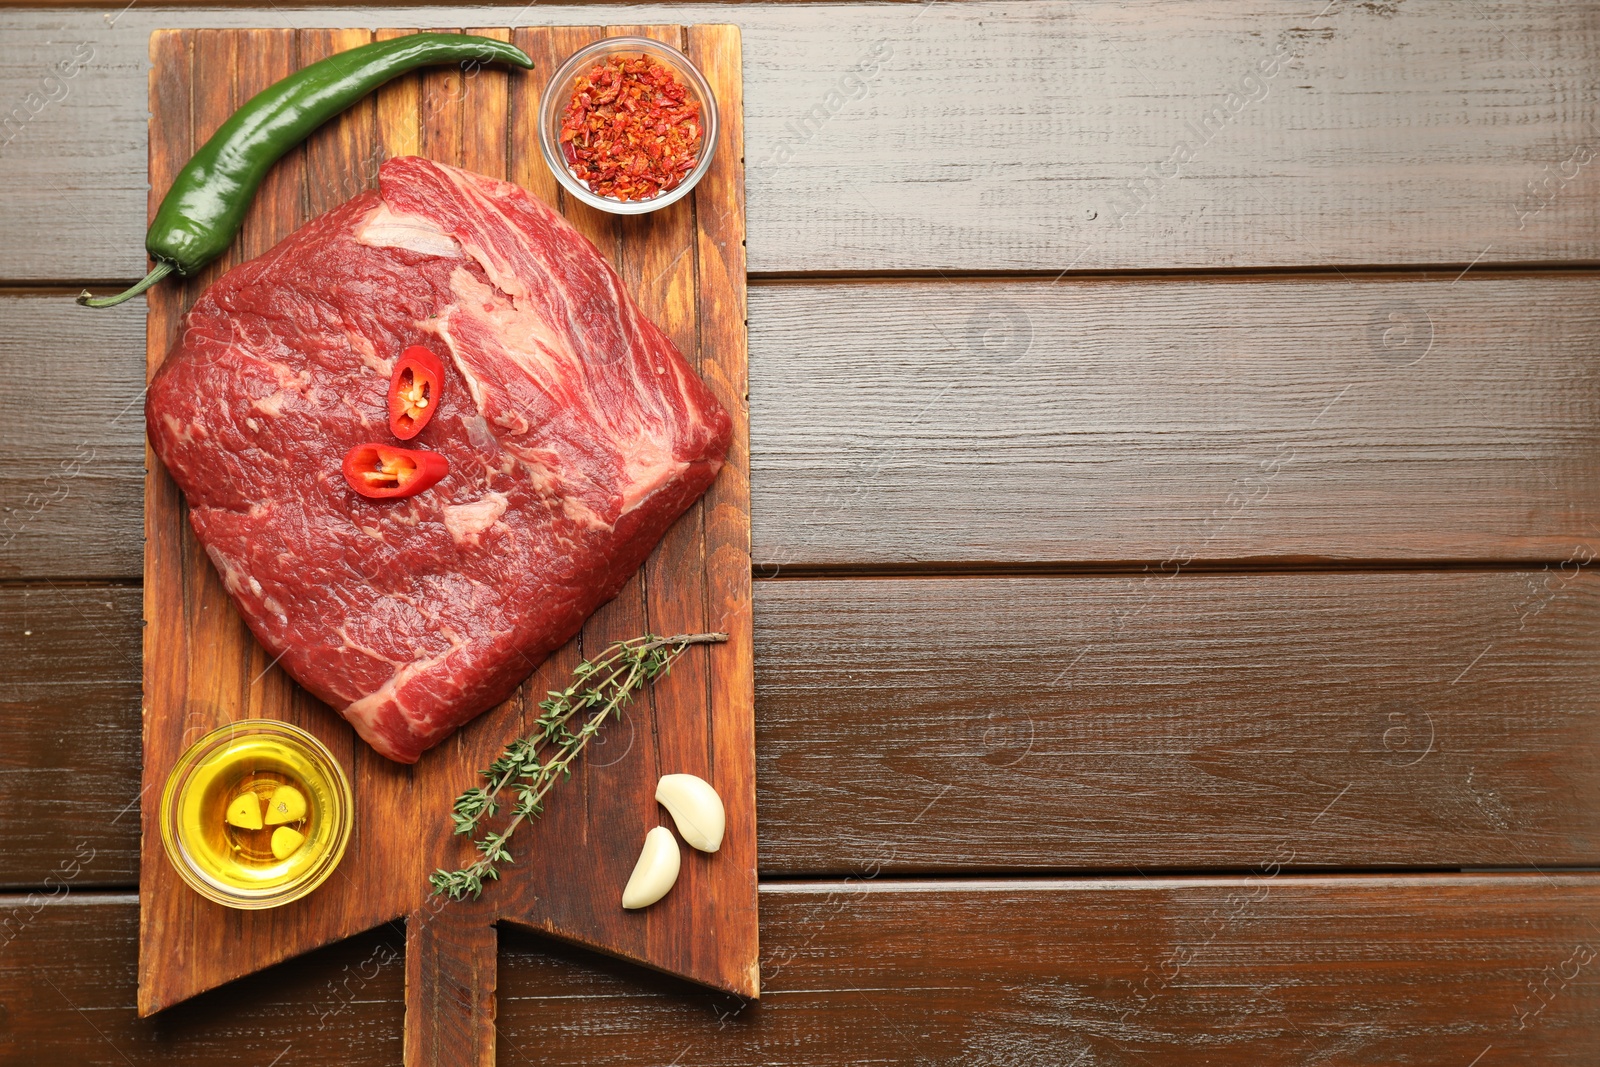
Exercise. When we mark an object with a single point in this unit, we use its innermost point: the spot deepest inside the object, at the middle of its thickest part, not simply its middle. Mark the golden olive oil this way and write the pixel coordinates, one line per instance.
(246, 767)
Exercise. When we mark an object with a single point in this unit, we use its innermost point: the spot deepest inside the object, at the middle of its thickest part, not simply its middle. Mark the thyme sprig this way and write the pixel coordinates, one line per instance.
(531, 766)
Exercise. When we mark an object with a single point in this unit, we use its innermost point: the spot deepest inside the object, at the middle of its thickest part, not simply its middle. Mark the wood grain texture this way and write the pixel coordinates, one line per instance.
(1263, 971)
(69, 735)
(1037, 724)
(203, 669)
(68, 979)
(451, 972)
(933, 726)
(1176, 421)
(115, 5)
(985, 136)
(73, 440)
(1149, 721)
(1020, 422)
(719, 264)
(1259, 971)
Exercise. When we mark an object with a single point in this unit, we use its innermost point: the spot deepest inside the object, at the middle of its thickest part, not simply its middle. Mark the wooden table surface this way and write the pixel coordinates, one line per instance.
(1176, 475)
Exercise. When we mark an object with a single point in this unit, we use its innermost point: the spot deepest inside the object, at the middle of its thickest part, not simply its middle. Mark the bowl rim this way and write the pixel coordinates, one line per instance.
(190, 760)
(551, 102)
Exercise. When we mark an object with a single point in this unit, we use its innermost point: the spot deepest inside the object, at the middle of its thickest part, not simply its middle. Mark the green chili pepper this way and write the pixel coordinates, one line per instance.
(201, 213)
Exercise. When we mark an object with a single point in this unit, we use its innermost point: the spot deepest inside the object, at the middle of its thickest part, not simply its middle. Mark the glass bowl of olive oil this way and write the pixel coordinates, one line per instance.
(256, 814)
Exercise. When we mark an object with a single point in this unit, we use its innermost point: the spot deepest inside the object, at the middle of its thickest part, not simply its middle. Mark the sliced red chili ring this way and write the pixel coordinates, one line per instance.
(414, 391)
(384, 472)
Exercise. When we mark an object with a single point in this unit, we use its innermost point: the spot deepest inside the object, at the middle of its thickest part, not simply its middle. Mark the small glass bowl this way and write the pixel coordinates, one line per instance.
(211, 773)
(558, 94)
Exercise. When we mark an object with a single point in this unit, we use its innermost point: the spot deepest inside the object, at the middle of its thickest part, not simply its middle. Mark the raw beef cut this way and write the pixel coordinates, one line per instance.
(575, 431)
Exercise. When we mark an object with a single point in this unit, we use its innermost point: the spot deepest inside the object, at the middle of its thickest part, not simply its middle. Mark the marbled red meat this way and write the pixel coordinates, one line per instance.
(576, 434)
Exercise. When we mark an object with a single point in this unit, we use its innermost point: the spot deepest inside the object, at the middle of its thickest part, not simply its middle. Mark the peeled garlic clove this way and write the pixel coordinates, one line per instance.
(655, 872)
(695, 807)
(288, 804)
(285, 840)
(245, 812)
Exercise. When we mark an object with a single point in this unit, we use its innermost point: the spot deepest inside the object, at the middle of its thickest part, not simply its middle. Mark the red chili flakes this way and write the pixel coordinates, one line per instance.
(632, 130)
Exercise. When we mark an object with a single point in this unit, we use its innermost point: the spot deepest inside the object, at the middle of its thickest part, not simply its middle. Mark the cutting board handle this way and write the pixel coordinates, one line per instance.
(450, 984)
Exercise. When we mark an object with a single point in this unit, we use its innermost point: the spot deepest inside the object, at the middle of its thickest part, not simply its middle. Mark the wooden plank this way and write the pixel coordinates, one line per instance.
(1158, 421)
(398, 5)
(1176, 421)
(1029, 724)
(450, 987)
(67, 981)
(1257, 971)
(266, 56)
(1266, 970)
(725, 509)
(335, 167)
(69, 735)
(984, 136)
(202, 668)
(71, 485)
(656, 256)
(1147, 721)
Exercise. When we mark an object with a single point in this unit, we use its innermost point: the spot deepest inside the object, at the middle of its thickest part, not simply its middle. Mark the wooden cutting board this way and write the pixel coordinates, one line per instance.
(202, 668)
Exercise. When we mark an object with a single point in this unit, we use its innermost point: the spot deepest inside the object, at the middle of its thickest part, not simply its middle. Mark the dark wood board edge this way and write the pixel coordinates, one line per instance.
(170, 50)
(720, 251)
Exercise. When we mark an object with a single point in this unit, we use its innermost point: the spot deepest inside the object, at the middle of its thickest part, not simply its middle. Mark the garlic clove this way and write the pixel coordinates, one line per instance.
(695, 807)
(245, 811)
(285, 841)
(288, 804)
(655, 872)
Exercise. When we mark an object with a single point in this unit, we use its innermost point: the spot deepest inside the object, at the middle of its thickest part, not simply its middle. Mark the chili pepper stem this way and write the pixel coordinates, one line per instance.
(161, 270)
